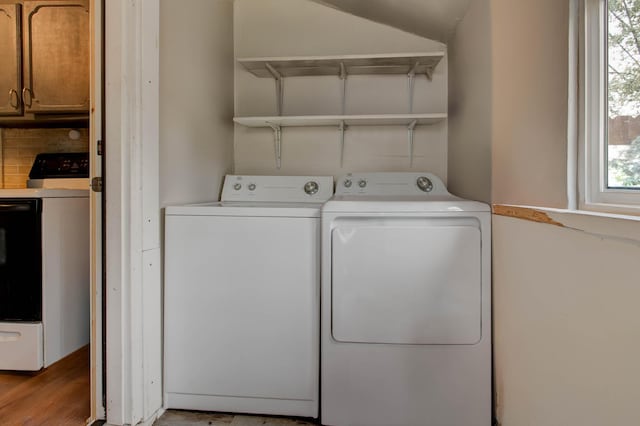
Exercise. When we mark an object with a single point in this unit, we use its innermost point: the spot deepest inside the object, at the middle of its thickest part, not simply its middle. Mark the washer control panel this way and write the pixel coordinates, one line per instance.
(390, 184)
(292, 189)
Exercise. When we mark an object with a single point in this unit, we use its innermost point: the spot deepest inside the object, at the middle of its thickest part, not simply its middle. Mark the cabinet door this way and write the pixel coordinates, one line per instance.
(56, 56)
(11, 64)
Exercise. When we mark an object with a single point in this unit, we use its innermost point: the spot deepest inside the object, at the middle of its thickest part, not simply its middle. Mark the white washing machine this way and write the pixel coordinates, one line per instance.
(406, 304)
(242, 284)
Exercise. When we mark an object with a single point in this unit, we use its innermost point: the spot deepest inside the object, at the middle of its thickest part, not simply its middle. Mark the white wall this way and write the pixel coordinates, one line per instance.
(529, 113)
(508, 102)
(304, 28)
(196, 99)
(567, 329)
(565, 314)
(470, 95)
(196, 105)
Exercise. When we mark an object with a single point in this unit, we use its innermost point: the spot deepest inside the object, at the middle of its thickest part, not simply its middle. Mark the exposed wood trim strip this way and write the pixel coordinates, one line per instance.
(525, 213)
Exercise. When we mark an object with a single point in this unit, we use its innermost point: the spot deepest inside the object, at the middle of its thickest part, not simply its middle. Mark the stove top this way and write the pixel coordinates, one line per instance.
(65, 170)
(62, 165)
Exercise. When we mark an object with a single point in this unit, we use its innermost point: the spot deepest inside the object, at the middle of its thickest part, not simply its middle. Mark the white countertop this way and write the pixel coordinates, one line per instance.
(43, 193)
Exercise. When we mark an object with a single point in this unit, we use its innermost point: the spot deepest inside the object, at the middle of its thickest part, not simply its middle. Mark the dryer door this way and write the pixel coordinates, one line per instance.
(406, 280)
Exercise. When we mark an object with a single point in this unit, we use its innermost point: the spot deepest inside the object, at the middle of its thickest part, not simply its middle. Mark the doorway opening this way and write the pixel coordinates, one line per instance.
(51, 362)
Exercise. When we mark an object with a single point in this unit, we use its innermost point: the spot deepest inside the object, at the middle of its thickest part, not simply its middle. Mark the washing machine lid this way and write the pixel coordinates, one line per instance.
(246, 209)
(397, 192)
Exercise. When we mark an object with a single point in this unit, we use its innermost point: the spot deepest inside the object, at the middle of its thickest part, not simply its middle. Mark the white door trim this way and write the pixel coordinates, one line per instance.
(133, 349)
(95, 127)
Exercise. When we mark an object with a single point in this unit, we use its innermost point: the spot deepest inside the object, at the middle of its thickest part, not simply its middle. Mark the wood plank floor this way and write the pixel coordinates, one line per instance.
(56, 396)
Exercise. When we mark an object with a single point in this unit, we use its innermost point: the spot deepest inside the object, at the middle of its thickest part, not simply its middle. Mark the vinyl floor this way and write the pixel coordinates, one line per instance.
(192, 418)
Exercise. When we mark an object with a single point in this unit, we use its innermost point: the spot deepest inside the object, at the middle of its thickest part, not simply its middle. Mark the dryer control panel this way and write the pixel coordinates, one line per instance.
(390, 184)
(276, 189)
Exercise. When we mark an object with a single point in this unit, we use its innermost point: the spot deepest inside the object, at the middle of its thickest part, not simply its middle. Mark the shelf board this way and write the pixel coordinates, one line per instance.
(298, 66)
(335, 120)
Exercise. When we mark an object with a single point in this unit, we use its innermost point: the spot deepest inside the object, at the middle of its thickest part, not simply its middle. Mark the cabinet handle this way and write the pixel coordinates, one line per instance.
(14, 99)
(24, 98)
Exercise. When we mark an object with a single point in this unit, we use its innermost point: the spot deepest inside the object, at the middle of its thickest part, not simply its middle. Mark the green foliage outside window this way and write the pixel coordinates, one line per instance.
(626, 168)
(624, 84)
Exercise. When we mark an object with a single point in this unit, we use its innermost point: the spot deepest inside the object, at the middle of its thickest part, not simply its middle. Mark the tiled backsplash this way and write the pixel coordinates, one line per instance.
(20, 146)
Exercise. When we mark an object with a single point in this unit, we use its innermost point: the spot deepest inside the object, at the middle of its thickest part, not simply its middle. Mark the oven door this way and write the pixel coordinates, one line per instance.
(20, 260)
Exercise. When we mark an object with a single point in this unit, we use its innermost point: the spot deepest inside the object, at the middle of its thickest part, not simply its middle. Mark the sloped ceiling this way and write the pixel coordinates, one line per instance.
(433, 19)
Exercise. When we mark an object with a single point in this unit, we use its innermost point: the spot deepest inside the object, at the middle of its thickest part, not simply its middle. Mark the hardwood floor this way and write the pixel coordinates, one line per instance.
(56, 396)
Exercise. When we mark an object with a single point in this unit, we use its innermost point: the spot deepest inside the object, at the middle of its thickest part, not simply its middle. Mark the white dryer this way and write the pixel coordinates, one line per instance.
(242, 284)
(406, 304)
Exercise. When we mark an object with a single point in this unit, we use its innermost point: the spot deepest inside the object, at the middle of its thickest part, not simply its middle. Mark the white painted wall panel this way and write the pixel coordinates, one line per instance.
(196, 99)
(317, 150)
(296, 27)
(470, 94)
(529, 102)
(152, 332)
(65, 276)
(149, 111)
(566, 324)
(117, 210)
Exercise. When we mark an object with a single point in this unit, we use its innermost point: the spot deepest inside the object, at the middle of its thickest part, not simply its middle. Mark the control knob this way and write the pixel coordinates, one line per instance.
(362, 183)
(237, 186)
(311, 187)
(425, 184)
(347, 183)
(252, 186)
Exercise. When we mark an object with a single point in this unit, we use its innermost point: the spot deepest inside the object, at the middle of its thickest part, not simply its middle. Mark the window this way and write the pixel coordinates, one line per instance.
(610, 104)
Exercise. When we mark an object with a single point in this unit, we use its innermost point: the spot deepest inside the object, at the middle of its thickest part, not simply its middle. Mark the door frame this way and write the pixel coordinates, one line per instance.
(96, 208)
(131, 183)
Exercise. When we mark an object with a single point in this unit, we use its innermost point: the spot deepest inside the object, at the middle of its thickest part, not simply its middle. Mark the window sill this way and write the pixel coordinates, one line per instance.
(605, 225)
(618, 211)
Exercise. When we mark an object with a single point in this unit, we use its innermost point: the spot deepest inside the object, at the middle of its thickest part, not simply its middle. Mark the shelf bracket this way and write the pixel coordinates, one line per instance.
(342, 127)
(410, 129)
(429, 72)
(343, 77)
(277, 138)
(411, 75)
(279, 85)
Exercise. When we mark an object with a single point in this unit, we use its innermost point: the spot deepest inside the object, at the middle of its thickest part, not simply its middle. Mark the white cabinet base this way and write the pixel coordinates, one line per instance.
(21, 346)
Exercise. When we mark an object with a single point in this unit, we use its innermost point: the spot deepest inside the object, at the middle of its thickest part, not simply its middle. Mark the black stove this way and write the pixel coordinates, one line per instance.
(67, 170)
(60, 165)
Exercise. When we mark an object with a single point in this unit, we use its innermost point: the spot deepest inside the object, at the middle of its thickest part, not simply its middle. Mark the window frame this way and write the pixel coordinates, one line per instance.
(593, 118)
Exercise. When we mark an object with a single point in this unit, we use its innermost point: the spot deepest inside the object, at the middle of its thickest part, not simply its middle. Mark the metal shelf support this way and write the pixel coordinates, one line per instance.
(343, 78)
(279, 86)
(429, 72)
(411, 75)
(277, 138)
(410, 129)
(342, 127)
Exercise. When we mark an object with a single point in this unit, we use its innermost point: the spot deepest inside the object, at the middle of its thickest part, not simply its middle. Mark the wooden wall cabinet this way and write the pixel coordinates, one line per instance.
(11, 63)
(45, 49)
